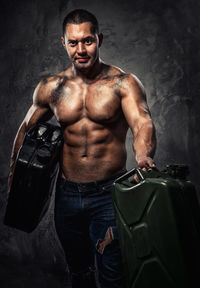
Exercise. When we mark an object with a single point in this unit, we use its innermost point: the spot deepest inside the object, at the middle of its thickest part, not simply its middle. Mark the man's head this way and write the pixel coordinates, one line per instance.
(81, 38)
(79, 16)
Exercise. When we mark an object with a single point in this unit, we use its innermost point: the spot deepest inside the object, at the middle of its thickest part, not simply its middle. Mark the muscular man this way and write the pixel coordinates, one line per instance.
(95, 104)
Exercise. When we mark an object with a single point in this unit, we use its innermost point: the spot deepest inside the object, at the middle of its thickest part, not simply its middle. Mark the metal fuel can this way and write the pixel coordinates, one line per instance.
(158, 220)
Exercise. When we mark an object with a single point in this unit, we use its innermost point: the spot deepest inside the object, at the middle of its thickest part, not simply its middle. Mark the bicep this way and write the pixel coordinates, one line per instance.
(134, 104)
(36, 114)
(40, 109)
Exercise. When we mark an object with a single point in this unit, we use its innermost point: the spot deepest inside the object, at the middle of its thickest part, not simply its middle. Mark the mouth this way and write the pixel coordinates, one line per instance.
(82, 59)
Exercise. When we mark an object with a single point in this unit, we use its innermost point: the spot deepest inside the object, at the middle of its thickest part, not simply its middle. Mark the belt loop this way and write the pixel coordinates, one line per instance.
(97, 186)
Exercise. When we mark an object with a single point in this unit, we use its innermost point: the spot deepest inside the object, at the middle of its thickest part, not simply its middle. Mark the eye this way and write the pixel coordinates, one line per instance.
(72, 43)
(88, 41)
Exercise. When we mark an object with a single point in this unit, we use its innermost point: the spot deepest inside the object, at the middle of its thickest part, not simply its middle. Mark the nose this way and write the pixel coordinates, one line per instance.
(81, 48)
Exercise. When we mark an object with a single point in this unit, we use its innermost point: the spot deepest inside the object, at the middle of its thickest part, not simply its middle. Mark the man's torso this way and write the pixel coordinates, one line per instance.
(94, 127)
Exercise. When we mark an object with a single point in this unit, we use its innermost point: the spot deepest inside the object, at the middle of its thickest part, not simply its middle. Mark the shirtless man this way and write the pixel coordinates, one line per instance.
(95, 104)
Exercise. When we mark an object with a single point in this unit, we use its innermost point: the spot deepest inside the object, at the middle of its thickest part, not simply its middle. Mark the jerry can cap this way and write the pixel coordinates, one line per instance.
(177, 170)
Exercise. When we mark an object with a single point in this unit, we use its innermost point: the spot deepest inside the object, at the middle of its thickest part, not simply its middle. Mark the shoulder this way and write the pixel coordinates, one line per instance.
(125, 83)
(124, 77)
(130, 80)
(130, 85)
(51, 82)
(45, 88)
(113, 71)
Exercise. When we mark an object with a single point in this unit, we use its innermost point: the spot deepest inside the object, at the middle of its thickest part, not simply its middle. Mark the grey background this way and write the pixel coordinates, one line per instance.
(156, 40)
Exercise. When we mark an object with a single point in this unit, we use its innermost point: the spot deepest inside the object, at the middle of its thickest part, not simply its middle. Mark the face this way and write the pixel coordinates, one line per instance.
(81, 44)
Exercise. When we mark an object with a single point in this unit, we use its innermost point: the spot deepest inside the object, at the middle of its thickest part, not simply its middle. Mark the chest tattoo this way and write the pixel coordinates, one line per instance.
(58, 92)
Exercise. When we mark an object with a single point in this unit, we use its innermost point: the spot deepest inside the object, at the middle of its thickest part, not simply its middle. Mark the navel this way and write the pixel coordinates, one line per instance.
(84, 133)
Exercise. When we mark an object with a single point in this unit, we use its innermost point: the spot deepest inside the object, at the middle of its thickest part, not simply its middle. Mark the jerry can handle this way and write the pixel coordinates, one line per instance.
(140, 173)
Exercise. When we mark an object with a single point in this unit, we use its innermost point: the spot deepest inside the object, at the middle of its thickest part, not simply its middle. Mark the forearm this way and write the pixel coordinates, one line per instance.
(144, 143)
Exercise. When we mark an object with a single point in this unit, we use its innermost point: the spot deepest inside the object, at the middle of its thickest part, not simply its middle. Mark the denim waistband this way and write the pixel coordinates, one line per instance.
(93, 183)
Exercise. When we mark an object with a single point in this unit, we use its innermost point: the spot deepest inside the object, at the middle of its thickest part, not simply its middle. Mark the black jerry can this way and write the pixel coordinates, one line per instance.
(35, 171)
(158, 221)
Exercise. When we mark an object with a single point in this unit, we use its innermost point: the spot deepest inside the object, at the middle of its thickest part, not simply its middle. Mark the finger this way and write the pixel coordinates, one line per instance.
(143, 164)
(144, 169)
(151, 163)
(135, 177)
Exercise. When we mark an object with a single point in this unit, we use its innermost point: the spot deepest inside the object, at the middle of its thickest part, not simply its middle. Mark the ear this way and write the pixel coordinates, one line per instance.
(100, 39)
(63, 41)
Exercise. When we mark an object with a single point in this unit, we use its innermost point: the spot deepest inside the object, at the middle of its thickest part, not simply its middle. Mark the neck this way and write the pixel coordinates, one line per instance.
(89, 73)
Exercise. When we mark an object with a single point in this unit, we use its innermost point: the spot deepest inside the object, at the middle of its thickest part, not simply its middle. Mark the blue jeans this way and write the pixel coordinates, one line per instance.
(85, 224)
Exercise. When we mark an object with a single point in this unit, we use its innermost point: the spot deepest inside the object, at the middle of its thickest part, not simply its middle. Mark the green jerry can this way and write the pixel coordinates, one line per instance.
(158, 220)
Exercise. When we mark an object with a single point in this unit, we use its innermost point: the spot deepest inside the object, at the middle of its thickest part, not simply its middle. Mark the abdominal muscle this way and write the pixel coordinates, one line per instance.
(91, 155)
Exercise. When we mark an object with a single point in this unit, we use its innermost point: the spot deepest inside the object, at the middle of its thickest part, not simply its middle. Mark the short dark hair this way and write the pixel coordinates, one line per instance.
(79, 16)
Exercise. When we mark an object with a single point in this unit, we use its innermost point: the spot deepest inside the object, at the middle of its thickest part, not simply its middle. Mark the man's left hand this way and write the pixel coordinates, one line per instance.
(145, 163)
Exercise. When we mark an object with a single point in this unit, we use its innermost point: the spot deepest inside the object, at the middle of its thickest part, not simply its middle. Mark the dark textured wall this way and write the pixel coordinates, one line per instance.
(156, 40)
